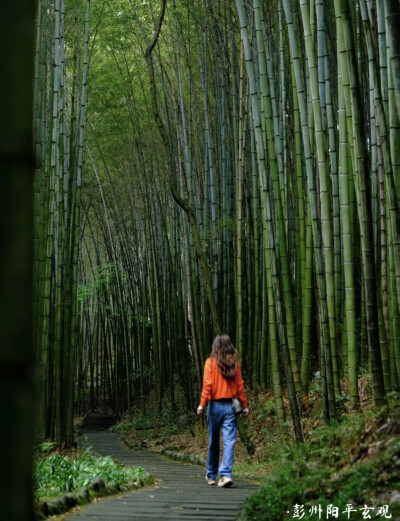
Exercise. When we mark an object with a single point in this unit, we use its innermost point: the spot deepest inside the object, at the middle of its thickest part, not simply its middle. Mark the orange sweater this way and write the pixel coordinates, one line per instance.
(215, 386)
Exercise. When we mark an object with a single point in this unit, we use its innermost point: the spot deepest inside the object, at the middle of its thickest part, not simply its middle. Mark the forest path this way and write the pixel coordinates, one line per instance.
(181, 492)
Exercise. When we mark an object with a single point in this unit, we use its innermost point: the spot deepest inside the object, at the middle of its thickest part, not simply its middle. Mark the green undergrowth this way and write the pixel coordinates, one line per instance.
(356, 461)
(167, 420)
(57, 473)
(164, 424)
(250, 468)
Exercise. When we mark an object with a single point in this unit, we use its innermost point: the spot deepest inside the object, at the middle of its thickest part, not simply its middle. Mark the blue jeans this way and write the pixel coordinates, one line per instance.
(220, 414)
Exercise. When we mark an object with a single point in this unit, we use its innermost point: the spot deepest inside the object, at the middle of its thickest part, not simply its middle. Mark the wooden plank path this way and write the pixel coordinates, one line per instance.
(181, 492)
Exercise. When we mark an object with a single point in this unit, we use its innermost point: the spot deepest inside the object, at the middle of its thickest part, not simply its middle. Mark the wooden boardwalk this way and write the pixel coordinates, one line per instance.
(181, 492)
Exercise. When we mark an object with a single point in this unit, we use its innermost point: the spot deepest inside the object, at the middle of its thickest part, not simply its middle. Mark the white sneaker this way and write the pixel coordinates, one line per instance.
(211, 481)
(224, 481)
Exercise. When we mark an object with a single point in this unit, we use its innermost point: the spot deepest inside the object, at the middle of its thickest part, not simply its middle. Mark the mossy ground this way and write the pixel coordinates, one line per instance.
(356, 461)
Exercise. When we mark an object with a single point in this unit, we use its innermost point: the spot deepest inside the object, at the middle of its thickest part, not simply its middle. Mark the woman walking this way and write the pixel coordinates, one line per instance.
(222, 381)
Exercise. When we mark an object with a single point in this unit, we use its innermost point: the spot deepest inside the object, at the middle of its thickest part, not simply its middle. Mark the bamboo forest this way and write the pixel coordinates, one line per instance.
(177, 170)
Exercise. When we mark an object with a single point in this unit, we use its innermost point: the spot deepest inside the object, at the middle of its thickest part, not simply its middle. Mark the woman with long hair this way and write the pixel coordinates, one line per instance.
(222, 381)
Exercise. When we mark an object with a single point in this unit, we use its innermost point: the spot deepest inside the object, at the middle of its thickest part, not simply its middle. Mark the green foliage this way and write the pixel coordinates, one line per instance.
(343, 402)
(250, 468)
(140, 422)
(57, 474)
(105, 276)
(393, 398)
(171, 419)
(224, 223)
(315, 385)
(266, 409)
(47, 446)
(330, 468)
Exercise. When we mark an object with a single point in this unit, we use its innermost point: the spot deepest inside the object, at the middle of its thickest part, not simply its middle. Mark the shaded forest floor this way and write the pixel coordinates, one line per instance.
(188, 434)
(356, 460)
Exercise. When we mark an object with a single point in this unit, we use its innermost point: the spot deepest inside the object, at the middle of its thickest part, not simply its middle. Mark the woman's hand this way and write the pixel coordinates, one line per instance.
(245, 413)
(199, 410)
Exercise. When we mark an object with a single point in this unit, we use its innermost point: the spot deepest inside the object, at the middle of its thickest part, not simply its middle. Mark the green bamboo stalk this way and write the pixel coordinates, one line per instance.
(207, 282)
(267, 217)
(307, 303)
(266, 110)
(239, 216)
(392, 17)
(355, 119)
(348, 252)
(323, 311)
(326, 213)
(381, 127)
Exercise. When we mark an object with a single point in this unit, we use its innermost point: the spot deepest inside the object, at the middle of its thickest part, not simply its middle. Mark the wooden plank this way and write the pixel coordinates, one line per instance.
(181, 492)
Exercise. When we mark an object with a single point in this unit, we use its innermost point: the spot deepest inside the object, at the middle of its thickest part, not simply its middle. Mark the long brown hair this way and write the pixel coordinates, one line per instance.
(224, 353)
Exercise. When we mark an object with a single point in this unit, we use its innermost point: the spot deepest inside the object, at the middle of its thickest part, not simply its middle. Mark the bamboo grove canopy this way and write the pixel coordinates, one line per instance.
(206, 167)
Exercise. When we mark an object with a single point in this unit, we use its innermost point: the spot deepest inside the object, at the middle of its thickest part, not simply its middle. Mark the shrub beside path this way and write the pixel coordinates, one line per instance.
(181, 492)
